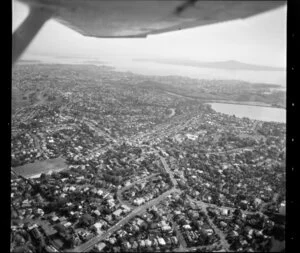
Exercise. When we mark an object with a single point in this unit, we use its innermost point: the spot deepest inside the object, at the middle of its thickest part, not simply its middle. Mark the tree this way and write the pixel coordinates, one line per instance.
(144, 226)
(65, 173)
(278, 232)
(237, 212)
(20, 249)
(43, 176)
(19, 240)
(86, 220)
(60, 228)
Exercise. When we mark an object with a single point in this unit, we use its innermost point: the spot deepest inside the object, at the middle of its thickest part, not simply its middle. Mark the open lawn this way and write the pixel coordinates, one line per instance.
(36, 168)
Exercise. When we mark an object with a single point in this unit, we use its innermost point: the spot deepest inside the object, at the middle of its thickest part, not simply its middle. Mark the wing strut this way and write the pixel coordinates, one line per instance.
(27, 30)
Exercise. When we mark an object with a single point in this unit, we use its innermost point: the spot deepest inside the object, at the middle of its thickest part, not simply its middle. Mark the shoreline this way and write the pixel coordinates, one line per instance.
(120, 68)
(249, 103)
(252, 112)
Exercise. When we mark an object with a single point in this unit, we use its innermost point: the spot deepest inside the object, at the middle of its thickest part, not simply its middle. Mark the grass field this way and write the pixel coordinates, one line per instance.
(36, 168)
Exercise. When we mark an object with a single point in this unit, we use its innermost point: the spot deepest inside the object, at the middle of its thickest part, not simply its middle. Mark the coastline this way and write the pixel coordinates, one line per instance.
(249, 103)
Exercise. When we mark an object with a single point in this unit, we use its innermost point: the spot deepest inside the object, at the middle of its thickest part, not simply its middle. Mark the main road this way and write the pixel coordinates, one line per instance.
(167, 168)
(139, 210)
(203, 206)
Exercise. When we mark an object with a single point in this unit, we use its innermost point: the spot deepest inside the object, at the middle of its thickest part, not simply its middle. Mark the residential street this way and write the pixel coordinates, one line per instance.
(139, 210)
(119, 193)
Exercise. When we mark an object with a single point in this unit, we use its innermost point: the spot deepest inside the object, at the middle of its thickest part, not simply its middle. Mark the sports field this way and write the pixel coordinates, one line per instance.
(36, 168)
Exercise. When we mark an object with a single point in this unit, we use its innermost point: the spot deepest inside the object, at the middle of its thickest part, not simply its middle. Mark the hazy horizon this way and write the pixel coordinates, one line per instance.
(259, 40)
(28, 57)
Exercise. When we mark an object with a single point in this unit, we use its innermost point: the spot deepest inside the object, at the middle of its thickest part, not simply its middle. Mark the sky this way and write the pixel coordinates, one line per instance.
(257, 40)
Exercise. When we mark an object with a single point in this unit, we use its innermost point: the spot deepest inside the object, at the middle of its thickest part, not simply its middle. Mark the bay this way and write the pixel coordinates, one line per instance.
(262, 113)
(158, 69)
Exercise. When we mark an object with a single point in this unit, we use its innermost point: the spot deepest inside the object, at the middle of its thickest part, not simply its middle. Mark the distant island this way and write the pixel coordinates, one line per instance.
(74, 57)
(96, 62)
(29, 61)
(229, 65)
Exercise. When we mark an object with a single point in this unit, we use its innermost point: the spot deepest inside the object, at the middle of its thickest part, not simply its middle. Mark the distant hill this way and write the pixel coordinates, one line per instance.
(95, 62)
(28, 61)
(229, 65)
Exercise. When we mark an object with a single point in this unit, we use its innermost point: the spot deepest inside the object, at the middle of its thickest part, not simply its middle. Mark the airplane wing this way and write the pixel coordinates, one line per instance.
(138, 18)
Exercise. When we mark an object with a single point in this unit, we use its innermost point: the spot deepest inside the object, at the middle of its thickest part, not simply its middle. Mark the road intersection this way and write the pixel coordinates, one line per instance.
(141, 209)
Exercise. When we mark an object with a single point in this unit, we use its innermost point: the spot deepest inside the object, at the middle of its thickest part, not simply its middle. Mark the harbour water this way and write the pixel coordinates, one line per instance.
(158, 69)
(262, 113)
